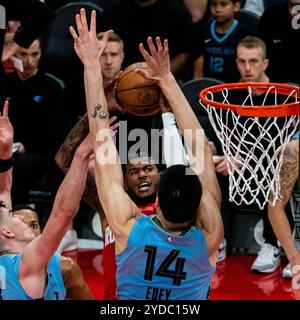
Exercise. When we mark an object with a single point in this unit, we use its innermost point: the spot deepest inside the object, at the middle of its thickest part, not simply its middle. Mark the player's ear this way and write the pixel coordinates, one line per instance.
(266, 64)
(5, 233)
(125, 184)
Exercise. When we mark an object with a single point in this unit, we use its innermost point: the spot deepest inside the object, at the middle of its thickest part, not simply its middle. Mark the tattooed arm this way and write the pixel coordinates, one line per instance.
(288, 176)
(65, 155)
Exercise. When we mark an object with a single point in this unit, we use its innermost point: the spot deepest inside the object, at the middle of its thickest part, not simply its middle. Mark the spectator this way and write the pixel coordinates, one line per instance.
(33, 95)
(281, 38)
(134, 20)
(215, 51)
(34, 17)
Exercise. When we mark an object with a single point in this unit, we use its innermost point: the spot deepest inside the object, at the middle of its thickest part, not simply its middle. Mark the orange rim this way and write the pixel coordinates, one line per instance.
(281, 110)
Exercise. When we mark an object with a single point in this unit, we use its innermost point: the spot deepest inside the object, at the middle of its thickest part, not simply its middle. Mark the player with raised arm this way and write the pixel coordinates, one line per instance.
(31, 265)
(171, 237)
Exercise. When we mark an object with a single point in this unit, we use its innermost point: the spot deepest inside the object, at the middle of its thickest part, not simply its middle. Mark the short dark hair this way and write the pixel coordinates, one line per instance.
(179, 193)
(23, 207)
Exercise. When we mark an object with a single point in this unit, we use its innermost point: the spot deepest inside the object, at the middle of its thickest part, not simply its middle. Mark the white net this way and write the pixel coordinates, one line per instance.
(253, 146)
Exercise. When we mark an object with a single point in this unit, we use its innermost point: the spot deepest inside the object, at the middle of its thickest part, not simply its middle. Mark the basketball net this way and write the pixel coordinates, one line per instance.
(254, 160)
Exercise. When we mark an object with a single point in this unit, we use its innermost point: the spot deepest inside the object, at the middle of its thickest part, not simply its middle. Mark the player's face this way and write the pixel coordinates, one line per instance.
(111, 60)
(223, 10)
(30, 218)
(251, 64)
(30, 58)
(16, 226)
(141, 177)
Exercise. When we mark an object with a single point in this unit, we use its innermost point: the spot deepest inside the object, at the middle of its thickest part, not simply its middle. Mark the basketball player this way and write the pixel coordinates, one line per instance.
(179, 192)
(31, 265)
(216, 48)
(141, 176)
(290, 189)
(76, 287)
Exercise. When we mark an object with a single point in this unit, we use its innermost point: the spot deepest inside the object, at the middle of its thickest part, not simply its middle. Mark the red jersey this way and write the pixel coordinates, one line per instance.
(109, 260)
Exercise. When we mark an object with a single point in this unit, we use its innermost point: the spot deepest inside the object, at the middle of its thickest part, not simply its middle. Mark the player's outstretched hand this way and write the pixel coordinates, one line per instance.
(158, 60)
(86, 44)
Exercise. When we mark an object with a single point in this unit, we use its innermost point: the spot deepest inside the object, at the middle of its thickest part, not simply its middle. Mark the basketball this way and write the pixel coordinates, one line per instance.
(135, 94)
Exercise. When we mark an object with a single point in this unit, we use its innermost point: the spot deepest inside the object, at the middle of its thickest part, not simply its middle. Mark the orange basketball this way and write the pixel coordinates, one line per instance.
(135, 94)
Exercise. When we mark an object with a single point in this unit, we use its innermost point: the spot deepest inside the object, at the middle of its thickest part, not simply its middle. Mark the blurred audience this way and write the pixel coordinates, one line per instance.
(33, 98)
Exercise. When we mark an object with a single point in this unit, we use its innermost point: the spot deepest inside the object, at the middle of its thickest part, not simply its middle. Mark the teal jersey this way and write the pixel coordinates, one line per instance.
(157, 265)
(10, 287)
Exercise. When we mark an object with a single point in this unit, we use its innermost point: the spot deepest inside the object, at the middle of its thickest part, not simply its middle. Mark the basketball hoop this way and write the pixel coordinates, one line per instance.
(253, 137)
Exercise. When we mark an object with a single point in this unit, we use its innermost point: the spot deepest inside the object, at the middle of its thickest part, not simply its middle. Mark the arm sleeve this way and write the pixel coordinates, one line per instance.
(174, 152)
(34, 16)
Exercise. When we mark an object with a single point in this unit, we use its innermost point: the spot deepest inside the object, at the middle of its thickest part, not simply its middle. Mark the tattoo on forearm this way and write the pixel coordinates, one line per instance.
(73, 140)
(289, 172)
(101, 114)
(96, 109)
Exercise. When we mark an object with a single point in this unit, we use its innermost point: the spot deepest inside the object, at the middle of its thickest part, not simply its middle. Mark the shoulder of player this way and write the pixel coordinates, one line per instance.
(291, 152)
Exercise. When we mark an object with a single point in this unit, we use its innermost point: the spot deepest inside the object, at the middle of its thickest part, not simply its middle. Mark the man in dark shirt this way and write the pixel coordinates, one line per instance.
(282, 38)
(34, 16)
(33, 95)
(135, 20)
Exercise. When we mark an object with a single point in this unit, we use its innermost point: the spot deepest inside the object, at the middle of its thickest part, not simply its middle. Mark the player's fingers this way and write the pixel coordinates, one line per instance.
(5, 109)
(115, 127)
(144, 53)
(112, 120)
(166, 48)
(152, 48)
(105, 39)
(159, 45)
(142, 73)
(79, 25)
(93, 23)
(73, 33)
(83, 20)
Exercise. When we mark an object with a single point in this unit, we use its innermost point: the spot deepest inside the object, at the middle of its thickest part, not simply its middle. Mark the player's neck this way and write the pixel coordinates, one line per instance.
(13, 246)
(24, 76)
(170, 227)
(223, 27)
(264, 78)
